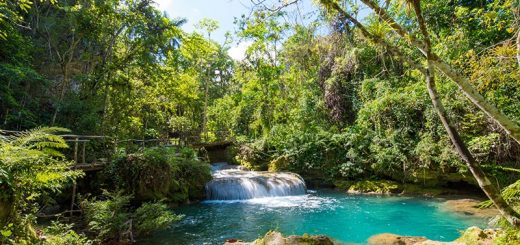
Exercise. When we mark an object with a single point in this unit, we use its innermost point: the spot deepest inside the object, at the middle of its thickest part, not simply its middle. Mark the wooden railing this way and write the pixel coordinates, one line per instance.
(103, 148)
(93, 152)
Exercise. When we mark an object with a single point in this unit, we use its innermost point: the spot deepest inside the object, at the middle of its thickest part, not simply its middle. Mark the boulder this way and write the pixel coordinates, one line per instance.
(472, 236)
(393, 239)
(477, 236)
(276, 238)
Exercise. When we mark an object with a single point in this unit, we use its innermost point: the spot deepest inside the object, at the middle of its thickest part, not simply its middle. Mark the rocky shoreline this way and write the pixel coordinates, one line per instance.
(452, 200)
(276, 238)
(472, 236)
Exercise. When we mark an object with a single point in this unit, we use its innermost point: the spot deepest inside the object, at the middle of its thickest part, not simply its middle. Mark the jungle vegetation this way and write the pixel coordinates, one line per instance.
(419, 92)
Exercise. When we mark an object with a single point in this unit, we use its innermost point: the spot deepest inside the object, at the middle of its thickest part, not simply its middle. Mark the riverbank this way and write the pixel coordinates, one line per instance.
(471, 236)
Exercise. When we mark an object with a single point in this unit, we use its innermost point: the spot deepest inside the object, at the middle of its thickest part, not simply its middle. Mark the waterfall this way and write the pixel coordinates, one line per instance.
(232, 183)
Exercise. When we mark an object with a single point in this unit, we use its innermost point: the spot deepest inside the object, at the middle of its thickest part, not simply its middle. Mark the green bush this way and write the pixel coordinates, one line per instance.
(153, 216)
(161, 173)
(108, 218)
(62, 234)
(114, 219)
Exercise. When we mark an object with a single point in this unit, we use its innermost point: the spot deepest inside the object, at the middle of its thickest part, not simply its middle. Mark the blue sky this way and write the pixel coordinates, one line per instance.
(224, 11)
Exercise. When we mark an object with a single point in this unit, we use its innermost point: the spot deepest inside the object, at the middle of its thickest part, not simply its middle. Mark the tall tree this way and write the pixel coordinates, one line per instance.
(489, 189)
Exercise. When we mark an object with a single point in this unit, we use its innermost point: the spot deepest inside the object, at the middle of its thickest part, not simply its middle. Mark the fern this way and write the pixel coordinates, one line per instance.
(40, 138)
(31, 168)
(511, 195)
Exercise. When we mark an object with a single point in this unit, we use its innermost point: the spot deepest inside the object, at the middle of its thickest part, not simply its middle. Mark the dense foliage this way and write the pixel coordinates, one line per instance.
(32, 171)
(160, 173)
(334, 102)
(113, 219)
(345, 107)
(316, 97)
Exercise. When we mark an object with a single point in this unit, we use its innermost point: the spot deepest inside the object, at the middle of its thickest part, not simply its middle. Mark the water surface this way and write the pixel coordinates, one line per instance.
(346, 218)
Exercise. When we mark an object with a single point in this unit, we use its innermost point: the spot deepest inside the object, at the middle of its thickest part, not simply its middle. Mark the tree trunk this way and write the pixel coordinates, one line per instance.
(464, 84)
(489, 189)
(493, 194)
(62, 93)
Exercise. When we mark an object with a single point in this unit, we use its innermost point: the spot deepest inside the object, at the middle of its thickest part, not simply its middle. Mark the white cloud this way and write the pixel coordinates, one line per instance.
(239, 52)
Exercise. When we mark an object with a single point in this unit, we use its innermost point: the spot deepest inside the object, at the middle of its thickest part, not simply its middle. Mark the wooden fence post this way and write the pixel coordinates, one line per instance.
(74, 185)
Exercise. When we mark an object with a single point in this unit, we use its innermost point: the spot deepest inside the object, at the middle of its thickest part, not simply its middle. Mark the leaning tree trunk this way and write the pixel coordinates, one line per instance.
(489, 189)
(483, 181)
(509, 126)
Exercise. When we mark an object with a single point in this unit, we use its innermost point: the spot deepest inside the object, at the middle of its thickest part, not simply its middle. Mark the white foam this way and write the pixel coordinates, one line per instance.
(301, 201)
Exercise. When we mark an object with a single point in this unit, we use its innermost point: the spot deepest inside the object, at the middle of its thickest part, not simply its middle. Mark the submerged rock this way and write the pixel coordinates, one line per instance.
(276, 238)
(469, 206)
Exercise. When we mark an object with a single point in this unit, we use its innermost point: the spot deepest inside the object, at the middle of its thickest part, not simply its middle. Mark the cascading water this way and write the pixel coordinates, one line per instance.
(233, 183)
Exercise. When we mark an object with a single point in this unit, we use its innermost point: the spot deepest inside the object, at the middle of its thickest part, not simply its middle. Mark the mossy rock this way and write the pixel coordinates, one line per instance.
(231, 154)
(252, 157)
(419, 190)
(471, 236)
(475, 235)
(393, 239)
(370, 186)
(276, 238)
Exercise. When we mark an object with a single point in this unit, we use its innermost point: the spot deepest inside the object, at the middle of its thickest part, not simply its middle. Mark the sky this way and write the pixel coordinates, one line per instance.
(223, 11)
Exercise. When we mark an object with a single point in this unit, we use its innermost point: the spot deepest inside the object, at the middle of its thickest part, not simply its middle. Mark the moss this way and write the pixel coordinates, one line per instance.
(369, 186)
(508, 236)
(475, 235)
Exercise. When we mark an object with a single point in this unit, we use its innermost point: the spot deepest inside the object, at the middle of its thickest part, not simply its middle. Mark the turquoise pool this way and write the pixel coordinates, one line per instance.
(346, 218)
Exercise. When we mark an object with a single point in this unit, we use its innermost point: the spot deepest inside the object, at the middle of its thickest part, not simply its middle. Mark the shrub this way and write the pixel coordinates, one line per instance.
(161, 173)
(113, 219)
(153, 216)
(62, 234)
(108, 218)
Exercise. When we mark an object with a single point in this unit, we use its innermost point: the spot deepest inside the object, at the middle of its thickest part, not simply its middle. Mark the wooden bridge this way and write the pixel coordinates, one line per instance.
(93, 152)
